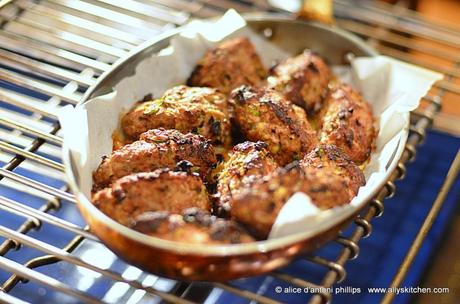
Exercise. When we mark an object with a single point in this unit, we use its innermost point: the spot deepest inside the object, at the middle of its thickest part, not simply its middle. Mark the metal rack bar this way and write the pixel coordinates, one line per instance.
(27, 103)
(78, 22)
(39, 86)
(421, 235)
(46, 136)
(37, 185)
(40, 217)
(40, 261)
(65, 256)
(69, 50)
(111, 15)
(31, 65)
(398, 21)
(35, 157)
(49, 52)
(369, 31)
(6, 298)
(33, 275)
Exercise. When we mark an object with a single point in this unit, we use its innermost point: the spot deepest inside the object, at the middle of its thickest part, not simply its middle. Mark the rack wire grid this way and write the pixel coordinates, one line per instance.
(51, 51)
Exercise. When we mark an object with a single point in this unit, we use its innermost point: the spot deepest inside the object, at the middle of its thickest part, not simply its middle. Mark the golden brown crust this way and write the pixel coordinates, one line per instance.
(257, 205)
(302, 79)
(162, 189)
(157, 148)
(248, 161)
(198, 110)
(346, 121)
(266, 115)
(325, 174)
(329, 159)
(232, 63)
(194, 225)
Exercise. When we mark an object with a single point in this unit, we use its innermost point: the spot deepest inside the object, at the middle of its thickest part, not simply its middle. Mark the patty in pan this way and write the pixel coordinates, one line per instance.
(267, 115)
(229, 65)
(327, 175)
(160, 190)
(193, 225)
(303, 79)
(247, 161)
(346, 121)
(156, 148)
(199, 110)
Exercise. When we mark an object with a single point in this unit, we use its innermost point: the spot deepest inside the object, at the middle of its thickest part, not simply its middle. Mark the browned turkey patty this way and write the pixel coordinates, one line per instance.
(248, 161)
(160, 190)
(302, 79)
(334, 183)
(198, 110)
(194, 225)
(232, 63)
(157, 148)
(266, 115)
(346, 121)
(329, 158)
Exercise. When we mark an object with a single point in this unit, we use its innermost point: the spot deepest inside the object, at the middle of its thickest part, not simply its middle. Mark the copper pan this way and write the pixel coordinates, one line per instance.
(219, 262)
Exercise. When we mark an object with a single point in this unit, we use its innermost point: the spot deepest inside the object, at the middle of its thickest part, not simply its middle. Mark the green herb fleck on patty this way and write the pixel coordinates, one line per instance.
(154, 106)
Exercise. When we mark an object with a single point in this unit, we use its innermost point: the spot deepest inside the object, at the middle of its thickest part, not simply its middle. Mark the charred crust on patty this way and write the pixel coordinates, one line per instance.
(303, 79)
(194, 223)
(186, 109)
(149, 221)
(231, 63)
(266, 115)
(346, 121)
(184, 166)
(156, 148)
